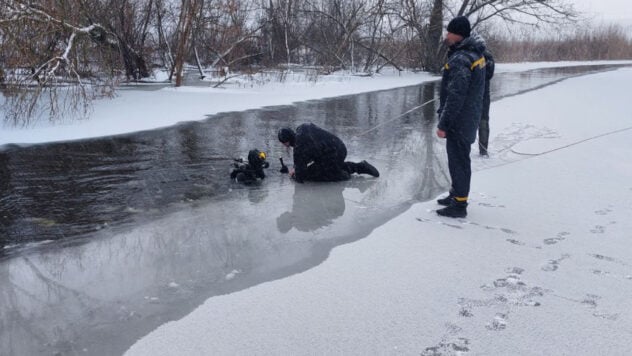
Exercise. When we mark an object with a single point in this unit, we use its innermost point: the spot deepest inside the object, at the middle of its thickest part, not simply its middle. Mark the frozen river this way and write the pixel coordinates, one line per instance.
(103, 240)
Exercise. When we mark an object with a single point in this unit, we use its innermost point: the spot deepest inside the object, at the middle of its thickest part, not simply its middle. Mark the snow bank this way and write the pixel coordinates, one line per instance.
(145, 109)
(524, 66)
(540, 266)
(137, 110)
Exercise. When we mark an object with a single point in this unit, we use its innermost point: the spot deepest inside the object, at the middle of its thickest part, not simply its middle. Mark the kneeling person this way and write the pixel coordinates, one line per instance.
(320, 155)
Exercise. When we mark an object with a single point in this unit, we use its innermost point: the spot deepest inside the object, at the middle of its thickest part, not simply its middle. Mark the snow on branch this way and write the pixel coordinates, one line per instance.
(46, 73)
(50, 69)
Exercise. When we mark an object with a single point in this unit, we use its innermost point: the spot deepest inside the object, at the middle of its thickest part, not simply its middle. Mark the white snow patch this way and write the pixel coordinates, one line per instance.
(421, 284)
(137, 110)
(232, 274)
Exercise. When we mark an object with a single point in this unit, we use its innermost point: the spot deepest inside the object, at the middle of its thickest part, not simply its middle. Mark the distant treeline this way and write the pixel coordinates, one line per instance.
(604, 42)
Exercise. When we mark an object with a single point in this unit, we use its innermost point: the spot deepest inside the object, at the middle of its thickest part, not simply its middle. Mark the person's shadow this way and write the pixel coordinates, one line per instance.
(315, 205)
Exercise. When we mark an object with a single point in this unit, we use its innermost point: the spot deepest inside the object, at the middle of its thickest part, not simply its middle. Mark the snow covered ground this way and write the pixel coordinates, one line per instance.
(136, 110)
(541, 265)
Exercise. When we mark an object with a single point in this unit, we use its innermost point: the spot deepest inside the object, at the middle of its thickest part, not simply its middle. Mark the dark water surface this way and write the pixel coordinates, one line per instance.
(103, 240)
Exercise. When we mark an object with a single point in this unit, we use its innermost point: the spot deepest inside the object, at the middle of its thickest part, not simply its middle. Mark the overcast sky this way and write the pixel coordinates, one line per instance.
(607, 10)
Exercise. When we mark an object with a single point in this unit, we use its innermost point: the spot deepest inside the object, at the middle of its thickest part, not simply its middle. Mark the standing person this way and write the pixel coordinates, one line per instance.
(483, 127)
(461, 102)
(320, 155)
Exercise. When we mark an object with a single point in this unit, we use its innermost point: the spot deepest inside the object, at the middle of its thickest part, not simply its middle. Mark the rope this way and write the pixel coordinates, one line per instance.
(532, 155)
(573, 144)
(395, 118)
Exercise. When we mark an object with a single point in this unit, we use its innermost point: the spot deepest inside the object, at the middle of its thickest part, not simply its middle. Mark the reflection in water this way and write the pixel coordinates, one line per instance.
(317, 205)
(313, 208)
(73, 189)
(102, 296)
(162, 228)
(65, 190)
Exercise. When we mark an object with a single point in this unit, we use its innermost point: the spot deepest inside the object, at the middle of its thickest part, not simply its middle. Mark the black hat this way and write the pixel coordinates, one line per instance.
(286, 134)
(460, 25)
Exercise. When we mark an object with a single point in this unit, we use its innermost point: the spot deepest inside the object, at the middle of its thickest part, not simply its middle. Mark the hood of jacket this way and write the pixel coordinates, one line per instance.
(474, 43)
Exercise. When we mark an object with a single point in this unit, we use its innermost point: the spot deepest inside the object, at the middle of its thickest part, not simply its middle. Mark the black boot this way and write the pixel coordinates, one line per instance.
(365, 167)
(445, 201)
(456, 209)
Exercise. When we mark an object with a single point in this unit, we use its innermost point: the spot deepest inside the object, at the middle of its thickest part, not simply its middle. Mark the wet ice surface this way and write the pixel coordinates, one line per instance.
(139, 229)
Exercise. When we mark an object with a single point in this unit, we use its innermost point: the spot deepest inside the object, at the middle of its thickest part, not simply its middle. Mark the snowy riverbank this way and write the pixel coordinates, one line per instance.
(540, 266)
(136, 110)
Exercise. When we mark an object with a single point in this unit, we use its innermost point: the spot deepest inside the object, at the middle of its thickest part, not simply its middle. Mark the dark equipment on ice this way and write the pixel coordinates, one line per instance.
(284, 168)
(249, 172)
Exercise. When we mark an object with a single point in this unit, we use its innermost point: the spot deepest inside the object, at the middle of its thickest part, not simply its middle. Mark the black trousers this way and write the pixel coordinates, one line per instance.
(483, 126)
(459, 164)
(328, 171)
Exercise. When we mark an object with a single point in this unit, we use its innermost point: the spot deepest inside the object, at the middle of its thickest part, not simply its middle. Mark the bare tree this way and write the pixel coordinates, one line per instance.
(282, 28)
(287, 14)
(188, 11)
(57, 55)
(426, 21)
(427, 18)
(234, 31)
(164, 47)
(525, 12)
(42, 48)
(379, 36)
(337, 25)
(434, 53)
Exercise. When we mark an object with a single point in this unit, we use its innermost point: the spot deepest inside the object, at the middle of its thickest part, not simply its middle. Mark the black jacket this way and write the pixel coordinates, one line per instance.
(314, 145)
(462, 88)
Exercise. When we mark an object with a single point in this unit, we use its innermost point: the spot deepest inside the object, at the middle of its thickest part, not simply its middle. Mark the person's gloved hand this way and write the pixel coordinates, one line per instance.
(284, 168)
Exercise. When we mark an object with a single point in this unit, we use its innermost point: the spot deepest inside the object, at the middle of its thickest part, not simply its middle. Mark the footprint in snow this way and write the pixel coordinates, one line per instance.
(590, 302)
(610, 274)
(509, 294)
(454, 226)
(516, 242)
(606, 316)
(605, 211)
(499, 322)
(553, 240)
(488, 205)
(510, 290)
(598, 229)
(599, 272)
(466, 312)
(447, 348)
(514, 270)
(601, 257)
(553, 265)
(467, 303)
(606, 258)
